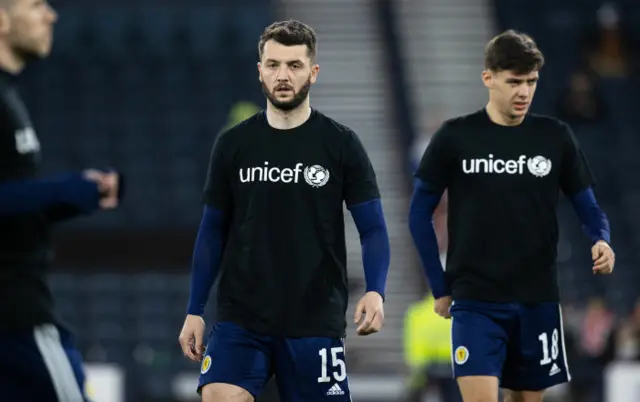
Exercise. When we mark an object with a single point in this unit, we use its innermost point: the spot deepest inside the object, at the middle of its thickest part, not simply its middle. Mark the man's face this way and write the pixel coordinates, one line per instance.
(27, 26)
(286, 74)
(511, 93)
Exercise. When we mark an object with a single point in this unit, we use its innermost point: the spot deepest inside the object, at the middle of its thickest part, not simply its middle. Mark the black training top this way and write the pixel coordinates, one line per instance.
(25, 299)
(283, 269)
(503, 184)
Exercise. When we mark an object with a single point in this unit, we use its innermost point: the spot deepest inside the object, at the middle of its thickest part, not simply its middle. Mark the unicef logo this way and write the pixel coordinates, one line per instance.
(539, 166)
(316, 175)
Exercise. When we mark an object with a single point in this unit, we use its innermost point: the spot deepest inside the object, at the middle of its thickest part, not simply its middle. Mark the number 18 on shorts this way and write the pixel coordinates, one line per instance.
(522, 345)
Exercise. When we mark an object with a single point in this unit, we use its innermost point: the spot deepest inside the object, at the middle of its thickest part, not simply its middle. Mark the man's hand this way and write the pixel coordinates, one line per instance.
(603, 258)
(108, 186)
(111, 194)
(192, 337)
(442, 306)
(371, 307)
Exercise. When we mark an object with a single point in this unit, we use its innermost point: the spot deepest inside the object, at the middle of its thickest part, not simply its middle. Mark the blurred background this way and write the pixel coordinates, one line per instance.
(145, 86)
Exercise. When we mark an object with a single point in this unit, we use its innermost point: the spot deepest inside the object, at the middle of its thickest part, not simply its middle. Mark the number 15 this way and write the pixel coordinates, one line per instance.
(340, 369)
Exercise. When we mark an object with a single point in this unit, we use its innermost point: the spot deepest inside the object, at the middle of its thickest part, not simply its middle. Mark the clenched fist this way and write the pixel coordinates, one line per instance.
(371, 307)
(442, 306)
(108, 185)
(603, 258)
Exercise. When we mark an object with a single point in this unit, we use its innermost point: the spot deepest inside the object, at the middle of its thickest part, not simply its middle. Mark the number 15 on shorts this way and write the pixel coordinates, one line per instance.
(337, 368)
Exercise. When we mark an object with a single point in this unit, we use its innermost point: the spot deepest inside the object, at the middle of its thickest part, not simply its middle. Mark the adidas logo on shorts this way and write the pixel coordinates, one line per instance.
(335, 390)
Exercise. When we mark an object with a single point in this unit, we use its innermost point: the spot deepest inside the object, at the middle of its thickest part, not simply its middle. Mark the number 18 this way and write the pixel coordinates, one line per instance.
(555, 350)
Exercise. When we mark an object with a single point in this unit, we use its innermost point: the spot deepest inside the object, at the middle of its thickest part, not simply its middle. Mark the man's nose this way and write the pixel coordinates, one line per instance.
(52, 14)
(282, 74)
(523, 91)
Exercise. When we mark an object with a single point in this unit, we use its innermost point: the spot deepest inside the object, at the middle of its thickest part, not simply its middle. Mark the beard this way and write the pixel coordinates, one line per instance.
(27, 54)
(288, 105)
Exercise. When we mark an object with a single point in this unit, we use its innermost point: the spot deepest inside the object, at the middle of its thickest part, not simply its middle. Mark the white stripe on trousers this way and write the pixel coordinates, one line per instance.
(564, 348)
(55, 358)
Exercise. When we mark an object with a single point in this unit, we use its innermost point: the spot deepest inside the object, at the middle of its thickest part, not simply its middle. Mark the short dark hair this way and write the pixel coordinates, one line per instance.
(513, 51)
(289, 33)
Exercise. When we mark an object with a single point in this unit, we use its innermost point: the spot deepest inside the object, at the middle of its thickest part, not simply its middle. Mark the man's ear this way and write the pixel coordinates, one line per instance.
(487, 78)
(5, 21)
(314, 73)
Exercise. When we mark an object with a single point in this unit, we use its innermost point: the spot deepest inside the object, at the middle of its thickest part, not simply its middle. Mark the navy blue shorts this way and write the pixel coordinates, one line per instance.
(40, 365)
(306, 369)
(521, 344)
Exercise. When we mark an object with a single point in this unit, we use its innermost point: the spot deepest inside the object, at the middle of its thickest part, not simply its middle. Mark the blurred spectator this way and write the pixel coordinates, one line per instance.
(587, 348)
(240, 112)
(608, 55)
(427, 348)
(582, 103)
(604, 339)
(596, 329)
(624, 342)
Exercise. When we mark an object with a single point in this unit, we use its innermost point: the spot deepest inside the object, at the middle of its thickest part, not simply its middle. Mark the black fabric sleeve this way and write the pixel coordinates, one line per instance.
(217, 188)
(575, 175)
(360, 183)
(437, 163)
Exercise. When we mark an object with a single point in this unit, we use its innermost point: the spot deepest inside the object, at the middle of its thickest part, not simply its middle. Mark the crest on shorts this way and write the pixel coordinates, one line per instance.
(206, 365)
(461, 355)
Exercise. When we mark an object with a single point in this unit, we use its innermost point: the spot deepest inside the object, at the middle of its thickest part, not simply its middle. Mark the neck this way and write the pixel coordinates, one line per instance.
(500, 118)
(10, 61)
(286, 120)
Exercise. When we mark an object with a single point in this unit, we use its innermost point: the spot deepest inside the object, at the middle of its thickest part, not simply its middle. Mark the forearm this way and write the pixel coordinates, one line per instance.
(34, 195)
(423, 204)
(593, 219)
(207, 255)
(374, 239)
